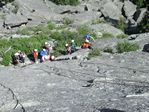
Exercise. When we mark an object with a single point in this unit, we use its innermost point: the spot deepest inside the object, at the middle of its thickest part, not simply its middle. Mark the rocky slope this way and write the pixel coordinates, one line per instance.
(27, 12)
(108, 83)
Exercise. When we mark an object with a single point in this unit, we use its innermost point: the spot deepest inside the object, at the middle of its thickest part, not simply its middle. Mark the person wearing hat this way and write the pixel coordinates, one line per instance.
(43, 54)
(16, 58)
(68, 48)
(35, 54)
(48, 48)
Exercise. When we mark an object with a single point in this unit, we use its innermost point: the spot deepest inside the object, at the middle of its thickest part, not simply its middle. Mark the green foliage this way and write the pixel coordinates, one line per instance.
(140, 3)
(121, 24)
(97, 21)
(83, 30)
(66, 2)
(126, 47)
(51, 25)
(24, 44)
(63, 38)
(35, 29)
(107, 35)
(94, 53)
(121, 36)
(67, 21)
(7, 58)
(108, 49)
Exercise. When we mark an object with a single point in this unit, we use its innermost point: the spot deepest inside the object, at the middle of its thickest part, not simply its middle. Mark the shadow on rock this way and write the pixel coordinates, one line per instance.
(146, 48)
(110, 110)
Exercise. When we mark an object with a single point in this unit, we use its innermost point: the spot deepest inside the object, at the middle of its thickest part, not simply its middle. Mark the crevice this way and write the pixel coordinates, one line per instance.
(14, 97)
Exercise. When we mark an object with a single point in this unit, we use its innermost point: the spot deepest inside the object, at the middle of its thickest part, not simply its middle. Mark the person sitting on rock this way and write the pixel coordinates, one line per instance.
(48, 48)
(43, 54)
(68, 48)
(35, 54)
(22, 56)
(16, 58)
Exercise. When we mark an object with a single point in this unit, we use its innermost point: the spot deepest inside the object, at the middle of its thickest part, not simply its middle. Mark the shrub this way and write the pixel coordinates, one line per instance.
(34, 30)
(51, 25)
(66, 2)
(94, 53)
(107, 35)
(126, 47)
(121, 36)
(108, 49)
(121, 24)
(83, 30)
(67, 21)
(97, 21)
(24, 44)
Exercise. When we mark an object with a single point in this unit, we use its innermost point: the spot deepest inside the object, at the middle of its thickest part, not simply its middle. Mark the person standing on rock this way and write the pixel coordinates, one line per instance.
(35, 53)
(73, 46)
(87, 43)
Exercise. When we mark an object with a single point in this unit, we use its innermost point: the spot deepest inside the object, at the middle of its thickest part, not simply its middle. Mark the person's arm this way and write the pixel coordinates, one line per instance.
(93, 38)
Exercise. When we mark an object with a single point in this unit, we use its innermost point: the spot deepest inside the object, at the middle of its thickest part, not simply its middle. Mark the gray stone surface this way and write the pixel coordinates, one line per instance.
(129, 8)
(111, 82)
(111, 11)
(103, 27)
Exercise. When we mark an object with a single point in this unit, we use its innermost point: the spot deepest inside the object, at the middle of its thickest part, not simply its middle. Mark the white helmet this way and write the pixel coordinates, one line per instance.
(72, 41)
(46, 43)
(52, 57)
(35, 50)
(87, 40)
(44, 49)
(66, 45)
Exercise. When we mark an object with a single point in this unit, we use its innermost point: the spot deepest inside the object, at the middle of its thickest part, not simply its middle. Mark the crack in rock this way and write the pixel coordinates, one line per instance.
(10, 104)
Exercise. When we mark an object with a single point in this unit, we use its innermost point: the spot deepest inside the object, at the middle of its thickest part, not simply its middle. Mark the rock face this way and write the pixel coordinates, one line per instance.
(129, 8)
(37, 12)
(106, 28)
(111, 11)
(108, 83)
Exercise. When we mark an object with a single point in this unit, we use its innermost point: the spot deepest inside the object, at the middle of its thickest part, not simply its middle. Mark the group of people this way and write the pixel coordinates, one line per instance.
(45, 53)
(47, 50)
(71, 47)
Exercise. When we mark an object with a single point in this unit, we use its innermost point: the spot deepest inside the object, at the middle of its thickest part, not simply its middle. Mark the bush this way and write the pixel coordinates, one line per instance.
(107, 35)
(121, 36)
(51, 25)
(97, 21)
(66, 2)
(67, 21)
(126, 47)
(35, 30)
(24, 44)
(94, 53)
(121, 24)
(108, 49)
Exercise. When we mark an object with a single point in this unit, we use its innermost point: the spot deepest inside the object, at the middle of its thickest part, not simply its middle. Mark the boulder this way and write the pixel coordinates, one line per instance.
(129, 8)
(111, 12)
(86, 17)
(13, 20)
